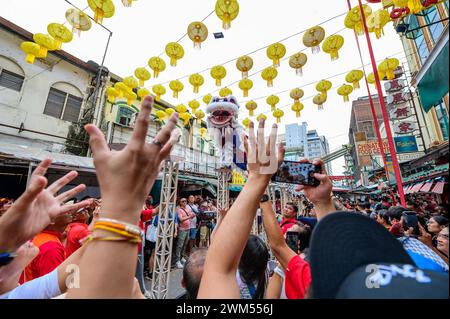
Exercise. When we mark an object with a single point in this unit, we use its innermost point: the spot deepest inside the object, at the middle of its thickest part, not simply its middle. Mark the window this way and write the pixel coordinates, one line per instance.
(125, 115)
(418, 38)
(368, 128)
(441, 113)
(11, 80)
(63, 105)
(432, 16)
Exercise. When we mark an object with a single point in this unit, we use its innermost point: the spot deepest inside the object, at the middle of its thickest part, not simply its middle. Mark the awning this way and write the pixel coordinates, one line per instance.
(416, 188)
(426, 188)
(433, 78)
(438, 188)
(406, 189)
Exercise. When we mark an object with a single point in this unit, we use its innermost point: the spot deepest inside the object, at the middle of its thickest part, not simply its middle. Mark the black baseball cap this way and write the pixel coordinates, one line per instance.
(352, 256)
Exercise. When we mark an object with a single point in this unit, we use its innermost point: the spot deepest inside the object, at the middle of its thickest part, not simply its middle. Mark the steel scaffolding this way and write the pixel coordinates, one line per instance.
(223, 193)
(165, 231)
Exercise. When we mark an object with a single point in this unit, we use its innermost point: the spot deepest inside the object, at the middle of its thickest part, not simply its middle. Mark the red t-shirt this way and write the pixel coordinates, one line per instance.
(75, 233)
(287, 223)
(51, 255)
(146, 216)
(297, 278)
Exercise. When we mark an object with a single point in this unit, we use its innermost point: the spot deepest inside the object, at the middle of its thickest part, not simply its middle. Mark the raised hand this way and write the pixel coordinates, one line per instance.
(37, 207)
(126, 177)
(320, 196)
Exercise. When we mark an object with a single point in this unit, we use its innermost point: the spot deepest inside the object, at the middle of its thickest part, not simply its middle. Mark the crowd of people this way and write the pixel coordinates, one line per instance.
(54, 247)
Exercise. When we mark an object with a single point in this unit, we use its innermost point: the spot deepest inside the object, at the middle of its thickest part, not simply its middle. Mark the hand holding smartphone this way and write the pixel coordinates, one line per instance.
(297, 173)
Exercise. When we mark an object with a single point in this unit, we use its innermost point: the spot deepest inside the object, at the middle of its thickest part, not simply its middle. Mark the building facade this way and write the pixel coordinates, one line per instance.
(425, 41)
(318, 147)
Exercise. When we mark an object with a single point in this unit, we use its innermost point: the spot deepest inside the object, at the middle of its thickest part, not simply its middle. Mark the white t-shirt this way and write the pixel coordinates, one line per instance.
(45, 287)
(193, 221)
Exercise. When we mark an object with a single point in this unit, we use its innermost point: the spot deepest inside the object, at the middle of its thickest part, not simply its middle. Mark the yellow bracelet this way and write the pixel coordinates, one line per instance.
(122, 226)
(117, 231)
(112, 238)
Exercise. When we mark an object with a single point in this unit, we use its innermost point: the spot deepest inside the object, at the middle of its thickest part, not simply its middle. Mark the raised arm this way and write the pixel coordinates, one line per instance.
(275, 236)
(134, 169)
(219, 276)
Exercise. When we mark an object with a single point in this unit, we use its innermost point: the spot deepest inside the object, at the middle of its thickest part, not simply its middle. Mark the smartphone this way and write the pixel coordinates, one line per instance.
(297, 173)
(292, 240)
(410, 219)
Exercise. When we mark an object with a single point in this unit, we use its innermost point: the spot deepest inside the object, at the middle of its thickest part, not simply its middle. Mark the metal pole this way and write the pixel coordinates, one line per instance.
(393, 152)
(415, 109)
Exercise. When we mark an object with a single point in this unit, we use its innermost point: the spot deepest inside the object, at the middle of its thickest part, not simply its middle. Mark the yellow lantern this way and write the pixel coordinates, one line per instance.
(388, 67)
(297, 94)
(196, 81)
(297, 62)
(246, 122)
(60, 33)
(194, 105)
(127, 3)
(376, 22)
(353, 19)
(297, 107)
(121, 88)
(244, 64)
(102, 9)
(273, 100)
(142, 93)
(345, 90)
(161, 115)
(46, 43)
(130, 96)
(278, 114)
(169, 111)
(181, 108)
(176, 86)
(276, 52)
(112, 94)
(354, 77)
(323, 86)
(332, 45)
(203, 132)
(186, 117)
(175, 52)
(319, 100)
(225, 92)
(261, 116)
(199, 115)
(218, 73)
(131, 82)
(313, 37)
(143, 75)
(415, 6)
(269, 74)
(197, 32)
(158, 90)
(31, 50)
(157, 65)
(251, 107)
(227, 11)
(371, 77)
(401, 3)
(78, 20)
(246, 85)
(206, 99)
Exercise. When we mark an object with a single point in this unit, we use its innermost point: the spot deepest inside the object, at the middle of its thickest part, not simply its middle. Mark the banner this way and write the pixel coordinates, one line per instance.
(406, 144)
(401, 111)
(370, 148)
(238, 178)
(405, 127)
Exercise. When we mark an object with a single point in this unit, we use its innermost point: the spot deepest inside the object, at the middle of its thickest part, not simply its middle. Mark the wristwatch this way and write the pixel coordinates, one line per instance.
(264, 198)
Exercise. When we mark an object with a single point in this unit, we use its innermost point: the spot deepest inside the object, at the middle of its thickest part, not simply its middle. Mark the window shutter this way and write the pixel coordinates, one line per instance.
(72, 110)
(11, 80)
(55, 103)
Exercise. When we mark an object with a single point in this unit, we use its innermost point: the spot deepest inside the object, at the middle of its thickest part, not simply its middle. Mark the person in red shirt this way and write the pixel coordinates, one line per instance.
(51, 250)
(290, 212)
(77, 231)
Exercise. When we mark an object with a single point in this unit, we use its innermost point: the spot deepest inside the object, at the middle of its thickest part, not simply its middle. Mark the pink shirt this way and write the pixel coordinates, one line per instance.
(182, 214)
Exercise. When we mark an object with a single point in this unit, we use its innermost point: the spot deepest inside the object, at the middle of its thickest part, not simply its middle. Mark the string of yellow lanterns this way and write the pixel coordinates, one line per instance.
(353, 19)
